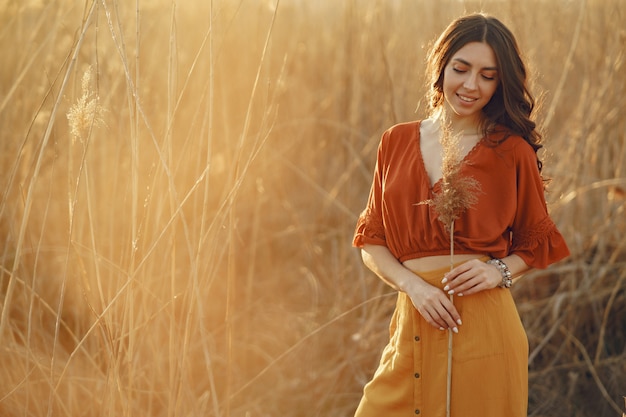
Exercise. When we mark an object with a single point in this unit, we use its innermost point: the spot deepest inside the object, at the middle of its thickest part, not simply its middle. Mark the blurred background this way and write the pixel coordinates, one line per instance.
(181, 179)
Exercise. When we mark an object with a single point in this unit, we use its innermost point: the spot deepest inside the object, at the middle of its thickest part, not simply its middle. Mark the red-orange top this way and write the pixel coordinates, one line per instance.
(510, 216)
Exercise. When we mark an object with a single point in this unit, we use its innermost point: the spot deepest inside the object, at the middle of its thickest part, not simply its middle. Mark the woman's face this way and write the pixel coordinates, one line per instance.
(470, 79)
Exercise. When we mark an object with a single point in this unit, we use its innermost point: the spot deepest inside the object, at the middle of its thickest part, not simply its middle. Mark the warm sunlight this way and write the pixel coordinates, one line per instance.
(181, 182)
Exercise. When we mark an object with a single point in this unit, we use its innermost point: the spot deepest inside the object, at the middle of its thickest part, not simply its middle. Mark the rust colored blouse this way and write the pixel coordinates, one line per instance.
(510, 216)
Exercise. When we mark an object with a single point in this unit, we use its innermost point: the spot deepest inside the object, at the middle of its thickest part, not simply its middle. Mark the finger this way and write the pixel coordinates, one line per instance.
(462, 287)
(473, 290)
(455, 284)
(459, 269)
(481, 280)
(459, 275)
(438, 314)
(434, 320)
(450, 316)
(468, 290)
(477, 276)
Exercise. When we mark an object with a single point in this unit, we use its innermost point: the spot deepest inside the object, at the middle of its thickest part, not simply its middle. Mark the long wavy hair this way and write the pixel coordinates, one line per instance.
(512, 103)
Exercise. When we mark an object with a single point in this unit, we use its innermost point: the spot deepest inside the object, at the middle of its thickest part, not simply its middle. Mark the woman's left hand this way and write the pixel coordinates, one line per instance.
(471, 277)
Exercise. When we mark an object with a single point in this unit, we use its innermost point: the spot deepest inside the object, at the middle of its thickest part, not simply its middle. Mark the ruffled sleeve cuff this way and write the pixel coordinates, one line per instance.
(541, 245)
(368, 230)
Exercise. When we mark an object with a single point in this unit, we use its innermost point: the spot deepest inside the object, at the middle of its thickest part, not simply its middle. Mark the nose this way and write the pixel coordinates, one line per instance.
(470, 81)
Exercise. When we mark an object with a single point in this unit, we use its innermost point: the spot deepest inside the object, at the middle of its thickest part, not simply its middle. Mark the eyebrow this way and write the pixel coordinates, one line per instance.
(462, 61)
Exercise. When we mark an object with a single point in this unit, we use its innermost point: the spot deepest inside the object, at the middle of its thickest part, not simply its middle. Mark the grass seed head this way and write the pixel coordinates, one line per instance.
(458, 193)
(86, 112)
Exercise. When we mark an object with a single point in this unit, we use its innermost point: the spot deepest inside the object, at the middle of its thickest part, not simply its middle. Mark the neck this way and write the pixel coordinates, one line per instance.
(459, 126)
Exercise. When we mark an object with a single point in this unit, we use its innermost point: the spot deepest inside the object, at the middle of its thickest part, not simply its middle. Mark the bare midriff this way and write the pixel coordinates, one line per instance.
(429, 263)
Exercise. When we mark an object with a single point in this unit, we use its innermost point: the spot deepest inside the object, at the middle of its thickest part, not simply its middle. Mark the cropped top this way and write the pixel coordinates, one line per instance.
(510, 216)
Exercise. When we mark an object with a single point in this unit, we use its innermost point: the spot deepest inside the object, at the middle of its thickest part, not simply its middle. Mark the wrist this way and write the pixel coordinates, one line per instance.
(505, 272)
(411, 284)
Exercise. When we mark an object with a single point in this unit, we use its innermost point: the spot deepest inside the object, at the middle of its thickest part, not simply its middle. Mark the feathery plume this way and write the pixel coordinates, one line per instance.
(86, 112)
(458, 192)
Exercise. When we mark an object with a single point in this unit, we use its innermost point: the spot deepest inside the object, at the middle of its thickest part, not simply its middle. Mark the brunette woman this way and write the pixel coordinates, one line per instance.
(478, 93)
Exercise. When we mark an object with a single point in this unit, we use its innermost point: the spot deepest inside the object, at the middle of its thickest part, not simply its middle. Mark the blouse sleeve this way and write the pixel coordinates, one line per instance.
(369, 226)
(535, 237)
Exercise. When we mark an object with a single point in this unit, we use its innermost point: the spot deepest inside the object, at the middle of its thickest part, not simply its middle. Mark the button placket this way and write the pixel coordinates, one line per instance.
(417, 362)
(417, 375)
(418, 334)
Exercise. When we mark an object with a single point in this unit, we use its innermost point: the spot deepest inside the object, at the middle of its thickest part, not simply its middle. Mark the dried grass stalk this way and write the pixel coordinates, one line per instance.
(457, 194)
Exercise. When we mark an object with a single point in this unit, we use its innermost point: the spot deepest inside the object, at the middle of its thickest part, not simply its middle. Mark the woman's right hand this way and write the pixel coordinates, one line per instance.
(431, 302)
(434, 305)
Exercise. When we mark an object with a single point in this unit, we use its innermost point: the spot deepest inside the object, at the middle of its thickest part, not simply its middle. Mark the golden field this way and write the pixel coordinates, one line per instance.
(181, 179)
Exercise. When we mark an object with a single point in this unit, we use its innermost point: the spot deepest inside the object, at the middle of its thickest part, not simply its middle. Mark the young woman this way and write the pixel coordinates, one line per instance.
(478, 93)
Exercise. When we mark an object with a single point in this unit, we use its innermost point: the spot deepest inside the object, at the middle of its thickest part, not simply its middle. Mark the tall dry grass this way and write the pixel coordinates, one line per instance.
(180, 246)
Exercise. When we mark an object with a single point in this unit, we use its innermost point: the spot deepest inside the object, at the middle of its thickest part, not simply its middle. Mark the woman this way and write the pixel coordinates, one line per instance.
(478, 93)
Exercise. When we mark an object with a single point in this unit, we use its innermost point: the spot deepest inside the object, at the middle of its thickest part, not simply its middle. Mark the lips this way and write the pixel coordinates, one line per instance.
(466, 99)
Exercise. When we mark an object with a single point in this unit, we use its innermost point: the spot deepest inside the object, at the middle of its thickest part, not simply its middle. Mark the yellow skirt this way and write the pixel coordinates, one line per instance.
(489, 361)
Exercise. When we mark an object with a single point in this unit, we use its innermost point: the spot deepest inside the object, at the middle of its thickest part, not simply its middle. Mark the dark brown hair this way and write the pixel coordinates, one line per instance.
(512, 103)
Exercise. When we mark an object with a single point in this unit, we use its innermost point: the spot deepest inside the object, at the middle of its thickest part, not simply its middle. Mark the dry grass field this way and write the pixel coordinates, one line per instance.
(180, 182)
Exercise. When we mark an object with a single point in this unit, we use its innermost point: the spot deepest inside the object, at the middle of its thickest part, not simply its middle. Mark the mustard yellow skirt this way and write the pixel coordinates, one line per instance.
(489, 361)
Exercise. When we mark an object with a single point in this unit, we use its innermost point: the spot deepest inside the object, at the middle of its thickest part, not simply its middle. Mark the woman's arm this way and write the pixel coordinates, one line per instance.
(432, 303)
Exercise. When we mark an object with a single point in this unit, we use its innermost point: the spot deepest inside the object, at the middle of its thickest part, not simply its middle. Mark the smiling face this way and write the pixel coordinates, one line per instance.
(470, 79)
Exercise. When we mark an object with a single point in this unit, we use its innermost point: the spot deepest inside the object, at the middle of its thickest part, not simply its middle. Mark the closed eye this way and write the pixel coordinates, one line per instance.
(484, 76)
